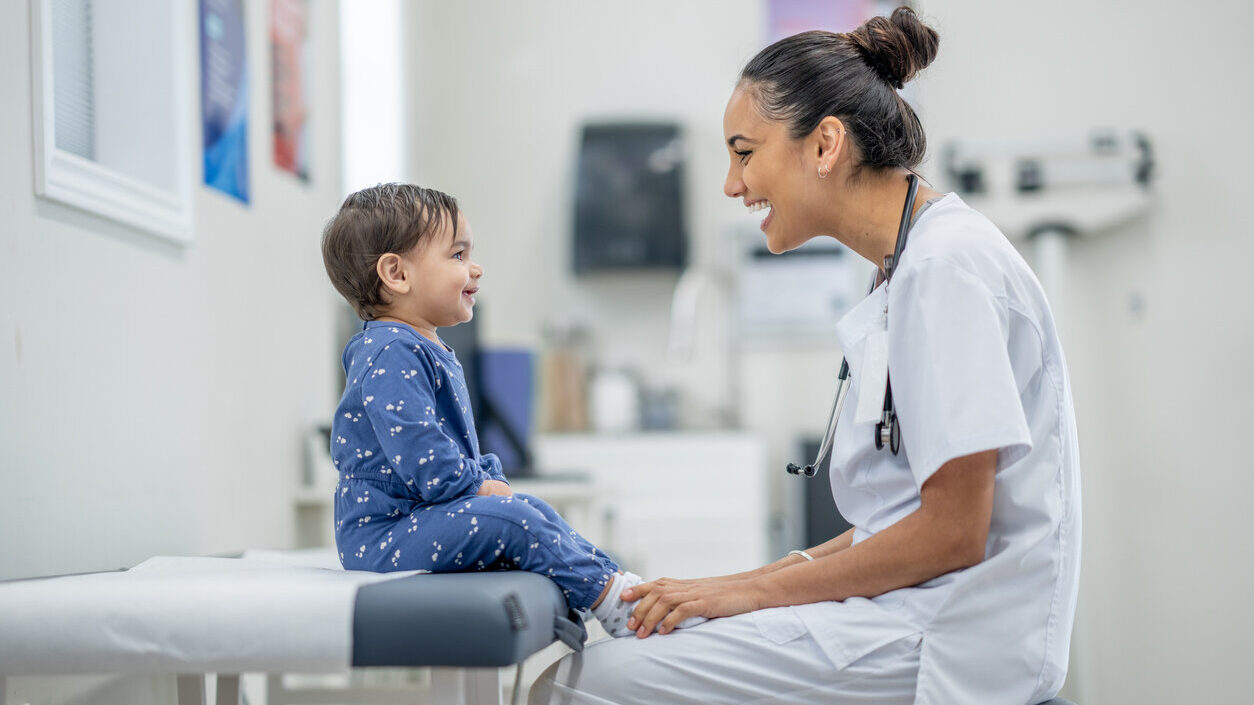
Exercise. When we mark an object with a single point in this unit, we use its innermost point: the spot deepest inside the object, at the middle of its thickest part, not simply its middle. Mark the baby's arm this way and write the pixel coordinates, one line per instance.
(492, 465)
(399, 399)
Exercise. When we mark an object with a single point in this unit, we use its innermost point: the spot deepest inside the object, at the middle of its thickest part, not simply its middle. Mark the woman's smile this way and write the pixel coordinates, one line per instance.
(757, 206)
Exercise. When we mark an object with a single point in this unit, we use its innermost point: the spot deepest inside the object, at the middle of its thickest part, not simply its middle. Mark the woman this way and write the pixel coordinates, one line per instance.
(958, 582)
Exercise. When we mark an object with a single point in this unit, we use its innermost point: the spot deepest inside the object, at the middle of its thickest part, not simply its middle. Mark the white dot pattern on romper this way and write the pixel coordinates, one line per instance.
(407, 445)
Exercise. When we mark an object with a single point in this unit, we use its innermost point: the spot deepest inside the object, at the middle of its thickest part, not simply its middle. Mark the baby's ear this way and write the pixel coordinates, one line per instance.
(391, 271)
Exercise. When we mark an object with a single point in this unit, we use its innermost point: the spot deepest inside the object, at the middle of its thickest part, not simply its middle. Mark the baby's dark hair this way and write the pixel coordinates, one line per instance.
(388, 218)
(855, 76)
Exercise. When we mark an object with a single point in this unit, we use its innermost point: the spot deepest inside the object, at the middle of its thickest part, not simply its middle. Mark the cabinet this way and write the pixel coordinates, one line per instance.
(676, 504)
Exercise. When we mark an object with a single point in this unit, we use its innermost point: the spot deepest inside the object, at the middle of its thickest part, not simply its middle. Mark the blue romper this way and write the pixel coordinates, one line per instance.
(404, 442)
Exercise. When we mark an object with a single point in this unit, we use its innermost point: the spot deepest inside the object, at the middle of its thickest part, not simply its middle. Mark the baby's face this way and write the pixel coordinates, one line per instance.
(446, 278)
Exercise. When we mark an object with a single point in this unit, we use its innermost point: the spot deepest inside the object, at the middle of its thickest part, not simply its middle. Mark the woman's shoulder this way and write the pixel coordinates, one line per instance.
(950, 228)
(953, 236)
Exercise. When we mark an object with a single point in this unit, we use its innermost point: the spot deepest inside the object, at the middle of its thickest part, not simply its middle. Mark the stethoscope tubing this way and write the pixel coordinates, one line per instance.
(887, 430)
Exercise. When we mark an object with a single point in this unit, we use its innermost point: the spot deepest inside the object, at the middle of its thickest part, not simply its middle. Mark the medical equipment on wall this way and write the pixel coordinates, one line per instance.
(1046, 191)
(796, 295)
(887, 431)
(1079, 185)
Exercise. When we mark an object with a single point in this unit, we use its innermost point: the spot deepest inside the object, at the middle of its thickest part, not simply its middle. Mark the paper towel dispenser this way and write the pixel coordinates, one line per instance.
(629, 205)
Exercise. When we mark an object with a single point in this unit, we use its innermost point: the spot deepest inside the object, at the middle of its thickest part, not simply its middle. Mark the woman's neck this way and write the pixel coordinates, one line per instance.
(866, 216)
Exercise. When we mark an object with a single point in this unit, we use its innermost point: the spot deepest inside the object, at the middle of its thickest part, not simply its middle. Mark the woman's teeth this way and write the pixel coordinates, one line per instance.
(759, 205)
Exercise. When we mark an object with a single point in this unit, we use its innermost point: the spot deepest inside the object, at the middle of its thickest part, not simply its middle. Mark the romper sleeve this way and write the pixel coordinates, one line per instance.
(491, 464)
(399, 400)
(950, 370)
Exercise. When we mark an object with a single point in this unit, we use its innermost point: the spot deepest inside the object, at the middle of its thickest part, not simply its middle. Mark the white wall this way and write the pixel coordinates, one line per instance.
(153, 398)
(498, 90)
(1161, 399)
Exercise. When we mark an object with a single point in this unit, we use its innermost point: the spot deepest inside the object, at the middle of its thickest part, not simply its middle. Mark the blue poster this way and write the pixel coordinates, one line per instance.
(224, 96)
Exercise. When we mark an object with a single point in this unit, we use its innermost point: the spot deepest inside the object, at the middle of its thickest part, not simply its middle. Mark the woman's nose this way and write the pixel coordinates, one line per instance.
(733, 187)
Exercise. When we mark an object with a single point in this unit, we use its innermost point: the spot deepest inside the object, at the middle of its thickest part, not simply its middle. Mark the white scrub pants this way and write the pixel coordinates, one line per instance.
(727, 661)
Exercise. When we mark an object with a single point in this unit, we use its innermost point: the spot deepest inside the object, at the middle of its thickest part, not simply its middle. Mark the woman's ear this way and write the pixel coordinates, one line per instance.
(830, 143)
(391, 271)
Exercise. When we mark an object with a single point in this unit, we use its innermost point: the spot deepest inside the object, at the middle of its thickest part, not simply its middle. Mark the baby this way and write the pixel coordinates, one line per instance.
(415, 493)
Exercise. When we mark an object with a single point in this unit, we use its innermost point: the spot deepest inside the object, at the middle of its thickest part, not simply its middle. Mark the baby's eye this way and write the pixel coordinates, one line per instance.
(459, 255)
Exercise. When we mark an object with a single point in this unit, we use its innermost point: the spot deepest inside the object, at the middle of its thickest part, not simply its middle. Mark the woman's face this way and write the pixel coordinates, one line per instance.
(769, 170)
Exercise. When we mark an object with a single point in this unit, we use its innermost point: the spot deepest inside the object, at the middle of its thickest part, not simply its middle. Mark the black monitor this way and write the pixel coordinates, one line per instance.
(499, 432)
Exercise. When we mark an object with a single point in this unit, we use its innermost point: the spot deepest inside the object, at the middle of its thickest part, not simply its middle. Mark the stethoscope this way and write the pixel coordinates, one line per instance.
(887, 430)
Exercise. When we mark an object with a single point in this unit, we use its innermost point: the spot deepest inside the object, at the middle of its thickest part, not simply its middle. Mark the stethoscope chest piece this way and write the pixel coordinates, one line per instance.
(888, 433)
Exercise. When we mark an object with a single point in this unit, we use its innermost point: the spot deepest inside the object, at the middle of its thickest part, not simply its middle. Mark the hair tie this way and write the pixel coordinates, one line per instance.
(880, 67)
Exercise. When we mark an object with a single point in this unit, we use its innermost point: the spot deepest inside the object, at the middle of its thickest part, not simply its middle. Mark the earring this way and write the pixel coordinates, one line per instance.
(824, 172)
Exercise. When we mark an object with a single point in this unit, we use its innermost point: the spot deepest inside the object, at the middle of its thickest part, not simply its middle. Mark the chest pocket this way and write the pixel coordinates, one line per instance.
(779, 625)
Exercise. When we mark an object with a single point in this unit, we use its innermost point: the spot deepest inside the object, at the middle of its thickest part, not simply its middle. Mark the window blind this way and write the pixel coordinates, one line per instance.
(74, 95)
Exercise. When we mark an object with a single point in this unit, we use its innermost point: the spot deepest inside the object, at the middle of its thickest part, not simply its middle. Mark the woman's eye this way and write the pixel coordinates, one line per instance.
(744, 155)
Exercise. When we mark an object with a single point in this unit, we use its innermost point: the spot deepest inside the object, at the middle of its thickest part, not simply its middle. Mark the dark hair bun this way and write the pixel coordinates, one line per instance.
(897, 47)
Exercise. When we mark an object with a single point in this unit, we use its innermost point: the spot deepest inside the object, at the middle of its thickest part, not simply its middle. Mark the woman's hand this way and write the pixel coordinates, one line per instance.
(665, 602)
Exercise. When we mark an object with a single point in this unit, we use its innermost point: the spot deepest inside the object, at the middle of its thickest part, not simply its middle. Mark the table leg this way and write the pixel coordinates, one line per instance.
(191, 689)
(466, 686)
(228, 689)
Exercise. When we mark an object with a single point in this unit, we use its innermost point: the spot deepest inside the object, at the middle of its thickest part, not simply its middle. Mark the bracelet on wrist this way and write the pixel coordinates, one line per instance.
(801, 553)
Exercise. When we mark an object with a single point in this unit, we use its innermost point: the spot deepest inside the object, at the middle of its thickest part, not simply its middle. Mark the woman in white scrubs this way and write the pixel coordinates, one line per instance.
(958, 583)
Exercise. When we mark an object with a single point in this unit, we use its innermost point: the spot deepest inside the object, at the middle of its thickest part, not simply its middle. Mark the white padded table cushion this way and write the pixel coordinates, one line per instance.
(175, 614)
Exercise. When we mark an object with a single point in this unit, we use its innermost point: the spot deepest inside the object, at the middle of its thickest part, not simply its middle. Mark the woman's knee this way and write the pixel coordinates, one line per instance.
(582, 678)
(541, 692)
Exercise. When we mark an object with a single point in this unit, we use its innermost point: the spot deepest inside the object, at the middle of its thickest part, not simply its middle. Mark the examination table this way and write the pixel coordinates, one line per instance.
(280, 612)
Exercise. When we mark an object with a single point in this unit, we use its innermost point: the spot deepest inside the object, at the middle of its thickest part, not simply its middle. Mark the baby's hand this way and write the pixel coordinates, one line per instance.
(494, 487)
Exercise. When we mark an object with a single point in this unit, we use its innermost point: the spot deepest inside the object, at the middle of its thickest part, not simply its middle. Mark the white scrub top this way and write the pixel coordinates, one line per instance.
(975, 365)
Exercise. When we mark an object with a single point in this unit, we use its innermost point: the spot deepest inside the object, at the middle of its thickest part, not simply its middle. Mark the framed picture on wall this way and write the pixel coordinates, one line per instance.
(289, 81)
(224, 100)
(112, 117)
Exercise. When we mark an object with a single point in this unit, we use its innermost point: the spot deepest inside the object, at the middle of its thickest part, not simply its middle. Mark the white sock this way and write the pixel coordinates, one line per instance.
(613, 613)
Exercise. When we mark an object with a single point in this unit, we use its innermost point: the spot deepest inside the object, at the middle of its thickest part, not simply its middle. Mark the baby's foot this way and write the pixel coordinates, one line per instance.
(613, 613)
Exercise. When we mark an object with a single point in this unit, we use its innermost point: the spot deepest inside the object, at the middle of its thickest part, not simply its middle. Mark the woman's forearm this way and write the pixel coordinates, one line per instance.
(946, 533)
(835, 545)
(891, 559)
(826, 548)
